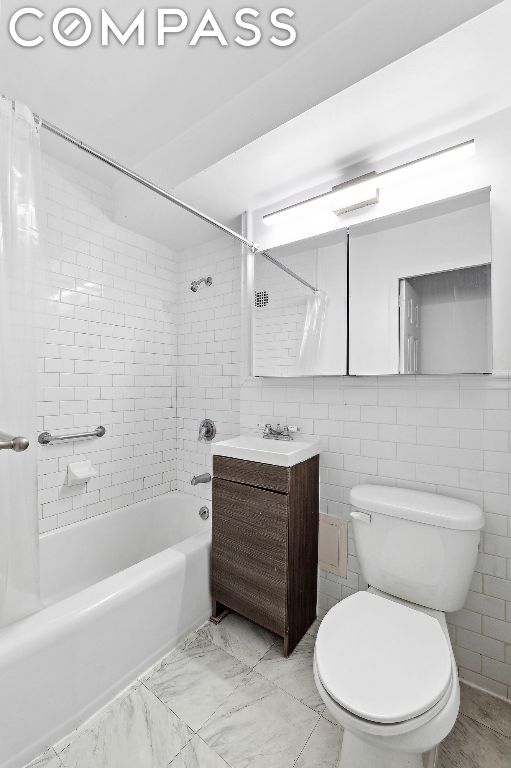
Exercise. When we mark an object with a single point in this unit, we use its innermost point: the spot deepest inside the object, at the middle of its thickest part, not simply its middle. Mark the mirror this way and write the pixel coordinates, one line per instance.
(420, 290)
(294, 331)
(445, 322)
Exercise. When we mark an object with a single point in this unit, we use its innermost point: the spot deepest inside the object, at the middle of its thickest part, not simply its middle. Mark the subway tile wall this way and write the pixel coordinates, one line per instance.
(438, 434)
(208, 369)
(109, 355)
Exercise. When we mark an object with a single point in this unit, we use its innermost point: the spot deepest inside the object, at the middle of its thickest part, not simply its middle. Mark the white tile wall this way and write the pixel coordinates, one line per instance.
(208, 370)
(110, 354)
(439, 434)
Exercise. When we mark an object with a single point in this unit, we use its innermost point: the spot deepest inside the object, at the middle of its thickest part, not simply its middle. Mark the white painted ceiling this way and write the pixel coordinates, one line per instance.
(191, 119)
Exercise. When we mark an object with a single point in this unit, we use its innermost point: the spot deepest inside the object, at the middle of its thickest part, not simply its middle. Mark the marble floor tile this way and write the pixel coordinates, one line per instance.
(259, 726)
(197, 754)
(196, 679)
(48, 760)
(486, 709)
(264, 716)
(241, 638)
(293, 674)
(323, 748)
(135, 731)
(471, 745)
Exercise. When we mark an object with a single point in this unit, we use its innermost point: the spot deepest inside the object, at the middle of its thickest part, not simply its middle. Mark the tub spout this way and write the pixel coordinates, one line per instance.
(205, 478)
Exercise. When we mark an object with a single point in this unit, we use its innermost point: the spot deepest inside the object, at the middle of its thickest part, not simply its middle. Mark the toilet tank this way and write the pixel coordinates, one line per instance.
(418, 546)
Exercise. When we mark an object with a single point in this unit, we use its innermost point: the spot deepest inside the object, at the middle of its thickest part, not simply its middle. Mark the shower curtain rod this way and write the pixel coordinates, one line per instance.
(56, 131)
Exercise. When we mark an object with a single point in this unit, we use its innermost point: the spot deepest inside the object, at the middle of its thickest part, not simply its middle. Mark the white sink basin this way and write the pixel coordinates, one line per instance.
(281, 452)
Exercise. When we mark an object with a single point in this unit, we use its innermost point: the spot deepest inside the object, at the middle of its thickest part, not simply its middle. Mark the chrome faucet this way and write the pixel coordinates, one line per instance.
(205, 478)
(277, 433)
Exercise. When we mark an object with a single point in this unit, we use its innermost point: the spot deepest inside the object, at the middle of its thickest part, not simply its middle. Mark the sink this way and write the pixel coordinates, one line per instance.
(280, 452)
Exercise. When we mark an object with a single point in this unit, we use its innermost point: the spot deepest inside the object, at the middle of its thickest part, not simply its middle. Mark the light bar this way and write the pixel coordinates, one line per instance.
(363, 191)
(342, 199)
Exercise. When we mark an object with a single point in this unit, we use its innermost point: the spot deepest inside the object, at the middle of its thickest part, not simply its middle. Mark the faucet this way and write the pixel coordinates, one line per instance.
(277, 433)
(205, 478)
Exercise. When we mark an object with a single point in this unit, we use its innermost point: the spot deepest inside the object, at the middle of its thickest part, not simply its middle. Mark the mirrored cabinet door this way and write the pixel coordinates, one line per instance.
(420, 291)
(296, 332)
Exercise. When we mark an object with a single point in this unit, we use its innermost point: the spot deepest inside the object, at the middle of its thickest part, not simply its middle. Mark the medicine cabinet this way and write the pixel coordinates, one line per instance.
(404, 294)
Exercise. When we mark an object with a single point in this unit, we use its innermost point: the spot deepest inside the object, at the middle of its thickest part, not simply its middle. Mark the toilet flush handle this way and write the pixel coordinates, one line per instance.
(361, 517)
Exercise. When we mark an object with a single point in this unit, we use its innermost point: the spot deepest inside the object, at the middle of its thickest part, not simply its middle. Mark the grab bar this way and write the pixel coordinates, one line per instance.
(45, 438)
(11, 443)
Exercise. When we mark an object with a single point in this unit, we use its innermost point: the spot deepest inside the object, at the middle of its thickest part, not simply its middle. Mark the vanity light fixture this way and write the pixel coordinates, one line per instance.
(362, 191)
(343, 198)
(457, 152)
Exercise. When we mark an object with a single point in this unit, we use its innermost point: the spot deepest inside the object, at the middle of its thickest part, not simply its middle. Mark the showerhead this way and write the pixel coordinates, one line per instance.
(196, 283)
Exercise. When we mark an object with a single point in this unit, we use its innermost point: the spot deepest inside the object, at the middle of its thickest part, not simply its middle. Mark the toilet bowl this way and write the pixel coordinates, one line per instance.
(383, 661)
(397, 695)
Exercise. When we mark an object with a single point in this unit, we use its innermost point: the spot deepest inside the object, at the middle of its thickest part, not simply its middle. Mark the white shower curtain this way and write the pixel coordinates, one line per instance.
(21, 271)
(315, 317)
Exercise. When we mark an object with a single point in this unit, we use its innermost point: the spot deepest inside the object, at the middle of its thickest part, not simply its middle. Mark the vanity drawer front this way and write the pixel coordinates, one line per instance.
(252, 473)
(249, 568)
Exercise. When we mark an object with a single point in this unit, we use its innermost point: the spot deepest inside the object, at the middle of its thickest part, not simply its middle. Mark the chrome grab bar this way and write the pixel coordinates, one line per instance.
(45, 438)
(11, 443)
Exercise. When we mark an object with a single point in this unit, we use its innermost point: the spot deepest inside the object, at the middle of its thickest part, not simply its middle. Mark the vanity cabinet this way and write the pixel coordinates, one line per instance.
(265, 544)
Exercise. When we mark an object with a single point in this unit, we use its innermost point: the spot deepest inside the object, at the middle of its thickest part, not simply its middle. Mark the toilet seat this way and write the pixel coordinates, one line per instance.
(384, 662)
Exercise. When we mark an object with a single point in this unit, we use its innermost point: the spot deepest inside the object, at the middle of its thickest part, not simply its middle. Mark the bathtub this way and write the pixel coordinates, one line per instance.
(119, 590)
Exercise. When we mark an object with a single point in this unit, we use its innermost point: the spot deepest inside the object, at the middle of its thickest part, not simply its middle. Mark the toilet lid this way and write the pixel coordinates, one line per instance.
(381, 660)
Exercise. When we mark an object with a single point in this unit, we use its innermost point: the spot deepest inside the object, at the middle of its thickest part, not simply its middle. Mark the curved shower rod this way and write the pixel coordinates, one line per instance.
(56, 131)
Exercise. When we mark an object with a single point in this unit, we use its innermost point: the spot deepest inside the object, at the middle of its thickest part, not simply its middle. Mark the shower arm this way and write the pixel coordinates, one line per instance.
(56, 131)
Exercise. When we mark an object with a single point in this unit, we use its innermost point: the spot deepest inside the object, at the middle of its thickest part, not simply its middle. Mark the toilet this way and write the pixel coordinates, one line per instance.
(383, 662)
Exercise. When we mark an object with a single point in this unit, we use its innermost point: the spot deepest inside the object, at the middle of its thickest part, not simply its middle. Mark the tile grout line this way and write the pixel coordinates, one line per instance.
(485, 726)
(214, 751)
(308, 739)
(268, 680)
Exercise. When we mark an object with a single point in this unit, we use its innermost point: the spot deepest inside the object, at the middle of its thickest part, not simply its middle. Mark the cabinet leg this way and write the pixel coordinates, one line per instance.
(219, 612)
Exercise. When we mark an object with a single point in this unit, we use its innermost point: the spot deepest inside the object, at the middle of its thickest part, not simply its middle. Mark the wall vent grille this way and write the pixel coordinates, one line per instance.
(261, 299)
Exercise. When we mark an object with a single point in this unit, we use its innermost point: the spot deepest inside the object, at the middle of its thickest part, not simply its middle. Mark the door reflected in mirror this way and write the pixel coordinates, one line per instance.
(420, 290)
(445, 322)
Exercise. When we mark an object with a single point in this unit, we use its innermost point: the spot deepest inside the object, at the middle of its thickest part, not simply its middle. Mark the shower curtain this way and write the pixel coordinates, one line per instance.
(21, 293)
(315, 317)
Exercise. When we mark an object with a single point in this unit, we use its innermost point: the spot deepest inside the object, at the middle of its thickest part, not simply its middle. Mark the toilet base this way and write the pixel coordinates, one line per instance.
(356, 753)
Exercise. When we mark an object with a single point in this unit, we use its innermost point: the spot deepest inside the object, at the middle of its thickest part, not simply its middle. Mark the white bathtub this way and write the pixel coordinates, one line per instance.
(121, 590)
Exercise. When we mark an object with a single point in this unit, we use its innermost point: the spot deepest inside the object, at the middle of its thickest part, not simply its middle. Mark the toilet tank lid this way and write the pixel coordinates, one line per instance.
(418, 506)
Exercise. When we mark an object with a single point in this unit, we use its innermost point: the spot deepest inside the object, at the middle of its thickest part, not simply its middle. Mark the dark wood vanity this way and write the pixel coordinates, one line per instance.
(265, 544)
